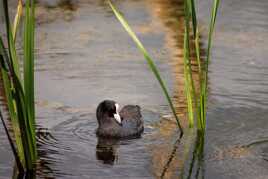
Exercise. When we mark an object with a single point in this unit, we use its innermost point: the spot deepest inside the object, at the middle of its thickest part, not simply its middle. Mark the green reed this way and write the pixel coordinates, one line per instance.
(19, 86)
(149, 60)
(199, 97)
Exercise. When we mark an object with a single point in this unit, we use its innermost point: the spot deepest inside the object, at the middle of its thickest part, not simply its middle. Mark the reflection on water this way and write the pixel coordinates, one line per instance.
(106, 150)
(196, 167)
(27, 175)
(171, 15)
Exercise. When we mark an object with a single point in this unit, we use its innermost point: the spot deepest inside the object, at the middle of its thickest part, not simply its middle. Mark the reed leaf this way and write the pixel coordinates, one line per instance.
(29, 66)
(8, 89)
(191, 12)
(149, 60)
(11, 44)
(203, 95)
(187, 81)
(191, 96)
(4, 55)
(17, 19)
(211, 30)
(190, 15)
(13, 148)
(13, 114)
(193, 16)
(20, 95)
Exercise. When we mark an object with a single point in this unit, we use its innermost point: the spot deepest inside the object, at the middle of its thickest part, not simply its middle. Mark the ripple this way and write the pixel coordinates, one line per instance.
(74, 142)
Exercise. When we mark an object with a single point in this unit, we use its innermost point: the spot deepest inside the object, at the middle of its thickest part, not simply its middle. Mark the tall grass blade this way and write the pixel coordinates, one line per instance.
(8, 89)
(4, 55)
(13, 114)
(24, 125)
(20, 95)
(11, 44)
(191, 12)
(203, 96)
(211, 29)
(190, 16)
(192, 103)
(148, 59)
(197, 52)
(13, 148)
(29, 68)
(17, 19)
(193, 16)
(187, 80)
(7, 84)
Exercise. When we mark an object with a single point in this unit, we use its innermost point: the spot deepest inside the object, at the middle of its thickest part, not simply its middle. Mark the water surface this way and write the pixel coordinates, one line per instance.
(84, 56)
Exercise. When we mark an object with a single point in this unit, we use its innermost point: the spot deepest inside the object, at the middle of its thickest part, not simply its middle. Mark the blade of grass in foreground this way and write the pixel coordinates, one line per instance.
(29, 70)
(6, 84)
(203, 95)
(148, 59)
(190, 90)
(8, 90)
(187, 80)
(13, 148)
(17, 19)
(11, 44)
(21, 95)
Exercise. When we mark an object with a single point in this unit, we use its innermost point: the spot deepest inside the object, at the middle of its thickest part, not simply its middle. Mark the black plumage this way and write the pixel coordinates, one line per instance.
(131, 124)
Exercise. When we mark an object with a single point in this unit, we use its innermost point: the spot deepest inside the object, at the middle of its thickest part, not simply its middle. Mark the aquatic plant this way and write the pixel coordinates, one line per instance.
(149, 60)
(196, 165)
(199, 105)
(19, 86)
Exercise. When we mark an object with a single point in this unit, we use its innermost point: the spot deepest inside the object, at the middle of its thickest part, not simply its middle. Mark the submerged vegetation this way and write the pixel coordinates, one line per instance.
(19, 86)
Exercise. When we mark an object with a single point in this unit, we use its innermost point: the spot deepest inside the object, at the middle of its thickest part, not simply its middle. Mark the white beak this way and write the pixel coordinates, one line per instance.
(117, 116)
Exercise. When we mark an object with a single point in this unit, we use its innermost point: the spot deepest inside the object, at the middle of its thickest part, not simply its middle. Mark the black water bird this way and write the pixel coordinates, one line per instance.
(127, 123)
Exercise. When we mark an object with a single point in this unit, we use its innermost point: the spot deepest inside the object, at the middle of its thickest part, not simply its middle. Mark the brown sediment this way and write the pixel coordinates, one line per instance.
(230, 153)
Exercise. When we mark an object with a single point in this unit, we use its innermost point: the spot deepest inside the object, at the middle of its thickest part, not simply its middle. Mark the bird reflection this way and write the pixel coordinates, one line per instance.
(106, 150)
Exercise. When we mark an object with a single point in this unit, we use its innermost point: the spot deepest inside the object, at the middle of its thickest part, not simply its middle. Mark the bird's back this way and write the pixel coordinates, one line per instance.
(132, 119)
(131, 125)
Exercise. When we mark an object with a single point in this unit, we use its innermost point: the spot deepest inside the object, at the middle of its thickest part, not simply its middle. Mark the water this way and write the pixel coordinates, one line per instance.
(238, 92)
(84, 56)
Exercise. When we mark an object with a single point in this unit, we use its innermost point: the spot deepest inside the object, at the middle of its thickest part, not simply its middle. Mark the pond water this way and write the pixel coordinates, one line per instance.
(84, 56)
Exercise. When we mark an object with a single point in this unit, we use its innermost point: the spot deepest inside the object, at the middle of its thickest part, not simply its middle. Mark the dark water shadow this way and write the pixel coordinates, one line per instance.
(196, 168)
(106, 150)
(26, 175)
(171, 157)
(194, 165)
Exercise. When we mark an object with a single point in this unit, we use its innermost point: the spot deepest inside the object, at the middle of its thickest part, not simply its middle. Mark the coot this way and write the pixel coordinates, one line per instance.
(114, 124)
